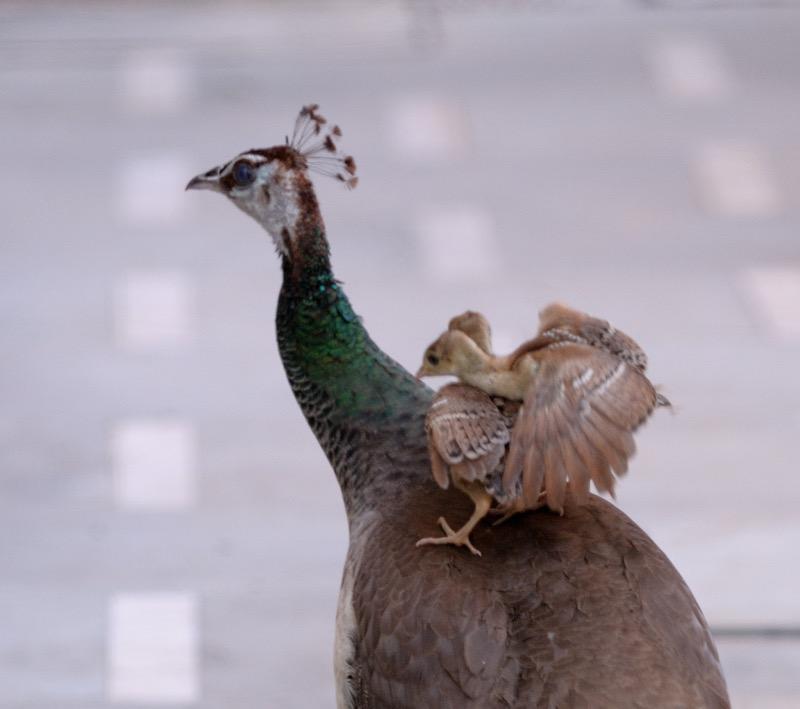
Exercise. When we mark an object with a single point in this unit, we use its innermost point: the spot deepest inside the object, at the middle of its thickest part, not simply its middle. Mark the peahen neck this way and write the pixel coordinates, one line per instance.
(365, 409)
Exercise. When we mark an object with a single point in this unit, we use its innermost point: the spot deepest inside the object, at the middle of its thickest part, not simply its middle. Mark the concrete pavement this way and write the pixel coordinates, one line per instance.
(641, 164)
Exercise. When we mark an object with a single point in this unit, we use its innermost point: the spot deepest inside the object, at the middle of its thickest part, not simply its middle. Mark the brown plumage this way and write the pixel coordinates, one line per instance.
(579, 611)
(561, 323)
(584, 394)
(467, 434)
(579, 413)
(467, 437)
(575, 612)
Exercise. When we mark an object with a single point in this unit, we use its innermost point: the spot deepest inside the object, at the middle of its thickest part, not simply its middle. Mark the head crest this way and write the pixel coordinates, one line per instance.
(318, 145)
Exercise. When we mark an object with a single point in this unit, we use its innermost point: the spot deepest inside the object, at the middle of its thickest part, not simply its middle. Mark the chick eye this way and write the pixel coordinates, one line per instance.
(243, 173)
(433, 359)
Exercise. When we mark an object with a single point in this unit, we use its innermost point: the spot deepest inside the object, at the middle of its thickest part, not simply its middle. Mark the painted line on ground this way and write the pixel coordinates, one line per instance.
(690, 69)
(153, 648)
(734, 180)
(423, 127)
(153, 311)
(775, 294)
(457, 244)
(153, 464)
(149, 190)
(155, 81)
(767, 632)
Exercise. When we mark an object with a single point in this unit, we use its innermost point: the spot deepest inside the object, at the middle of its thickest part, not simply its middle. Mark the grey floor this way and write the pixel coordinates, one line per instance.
(638, 160)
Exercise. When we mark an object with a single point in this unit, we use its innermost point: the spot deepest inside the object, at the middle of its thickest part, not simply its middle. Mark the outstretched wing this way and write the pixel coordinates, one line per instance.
(559, 322)
(577, 423)
(467, 435)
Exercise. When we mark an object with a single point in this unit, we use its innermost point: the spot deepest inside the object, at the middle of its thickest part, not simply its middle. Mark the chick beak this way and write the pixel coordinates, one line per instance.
(421, 372)
(207, 181)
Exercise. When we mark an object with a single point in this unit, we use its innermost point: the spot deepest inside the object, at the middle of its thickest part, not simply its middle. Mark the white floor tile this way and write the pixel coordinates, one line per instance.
(155, 81)
(457, 244)
(734, 180)
(150, 190)
(690, 69)
(153, 464)
(152, 648)
(426, 128)
(154, 311)
(775, 294)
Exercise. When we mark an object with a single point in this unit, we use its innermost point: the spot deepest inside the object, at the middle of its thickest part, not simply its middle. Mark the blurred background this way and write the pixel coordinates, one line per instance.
(170, 533)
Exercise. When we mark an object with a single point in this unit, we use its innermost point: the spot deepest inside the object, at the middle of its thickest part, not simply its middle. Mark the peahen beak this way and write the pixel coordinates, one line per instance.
(207, 181)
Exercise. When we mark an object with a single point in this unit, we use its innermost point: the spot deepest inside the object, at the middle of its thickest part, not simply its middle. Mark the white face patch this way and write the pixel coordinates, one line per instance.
(271, 200)
(271, 184)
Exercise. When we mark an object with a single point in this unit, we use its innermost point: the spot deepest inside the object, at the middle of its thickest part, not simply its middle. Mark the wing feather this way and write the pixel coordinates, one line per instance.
(555, 481)
(532, 476)
(604, 436)
(577, 422)
(574, 469)
(441, 474)
(459, 428)
(597, 467)
(560, 321)
(467, 433)
(515, 461)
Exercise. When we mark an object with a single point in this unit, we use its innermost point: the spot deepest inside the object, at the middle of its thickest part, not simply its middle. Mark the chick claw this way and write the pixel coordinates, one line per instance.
(459, 538)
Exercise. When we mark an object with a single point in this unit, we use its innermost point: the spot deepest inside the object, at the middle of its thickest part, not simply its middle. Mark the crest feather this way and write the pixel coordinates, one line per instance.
(318, 145)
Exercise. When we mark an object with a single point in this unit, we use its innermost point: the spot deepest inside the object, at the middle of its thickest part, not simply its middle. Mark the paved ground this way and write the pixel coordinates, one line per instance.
(169, 531)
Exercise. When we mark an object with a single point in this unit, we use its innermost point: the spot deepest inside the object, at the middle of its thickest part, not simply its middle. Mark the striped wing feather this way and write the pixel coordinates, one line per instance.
(560, 324)
(577, 423)
(467, 435)
(563, 321)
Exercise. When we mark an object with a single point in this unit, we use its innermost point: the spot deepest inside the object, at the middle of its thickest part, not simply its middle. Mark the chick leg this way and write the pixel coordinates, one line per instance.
(483, 501)
(515, 507)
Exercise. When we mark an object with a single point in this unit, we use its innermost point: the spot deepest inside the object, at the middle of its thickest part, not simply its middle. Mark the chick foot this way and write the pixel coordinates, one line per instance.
(459, 538)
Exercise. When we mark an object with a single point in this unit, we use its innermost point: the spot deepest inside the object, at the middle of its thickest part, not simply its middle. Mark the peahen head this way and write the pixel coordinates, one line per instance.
(272, 184)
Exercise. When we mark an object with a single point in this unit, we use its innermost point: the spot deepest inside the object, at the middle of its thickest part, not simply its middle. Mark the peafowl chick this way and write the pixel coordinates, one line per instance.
(467, 438)
(475, 326)
(468, 433)
(584, 394)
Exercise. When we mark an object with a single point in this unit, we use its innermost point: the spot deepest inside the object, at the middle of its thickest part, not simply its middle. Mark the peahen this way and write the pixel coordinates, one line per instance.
(575, 611)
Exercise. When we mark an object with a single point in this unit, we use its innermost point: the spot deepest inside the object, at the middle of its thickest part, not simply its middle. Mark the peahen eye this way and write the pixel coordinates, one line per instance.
(243, 173)
(433, 359)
